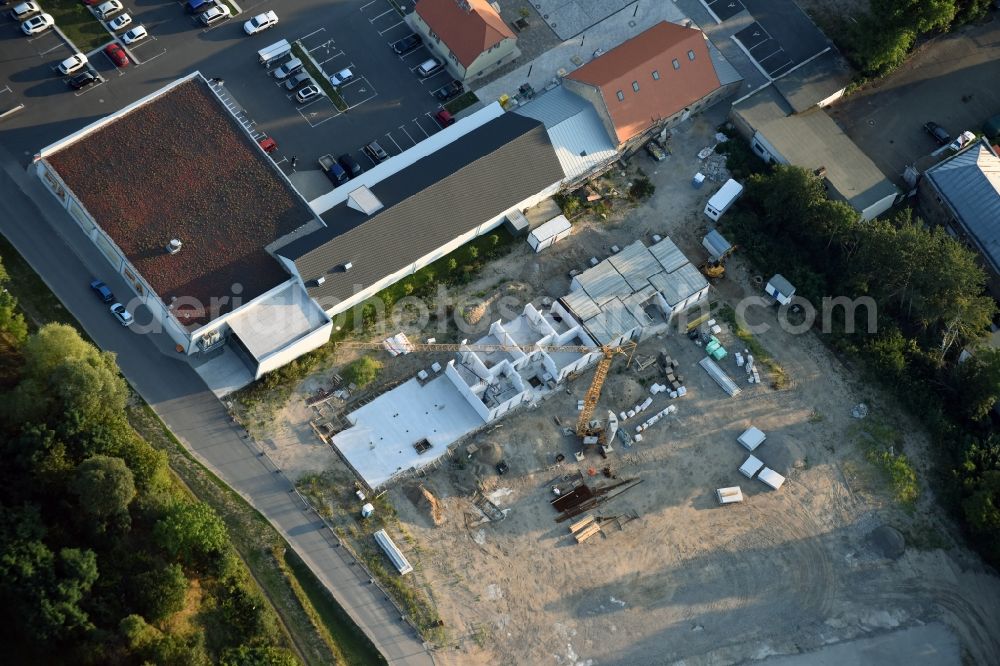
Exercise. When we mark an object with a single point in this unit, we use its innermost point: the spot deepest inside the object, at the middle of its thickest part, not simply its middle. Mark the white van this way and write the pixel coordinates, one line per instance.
(273, 52)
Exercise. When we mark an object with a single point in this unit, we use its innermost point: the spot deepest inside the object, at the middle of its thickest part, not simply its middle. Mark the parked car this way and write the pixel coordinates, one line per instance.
(74, 63)
(376, 152)
(84, 79)
(260, 23)
(286, 70)
(342, 77)
(134, 35)
(449, 91)
(655, 150)
(37, 24)
(267, 144)
(198, 6)
(308, 93)
(215, 14)
(102, 290)
(429, 68)
(444, 118)
(350, 165)
(123, 316)
(117, 54)
(407, 44)
(120, 22)
(939, 133)
(297, 80)
(108, 9)
(24, 10)
(333, 171)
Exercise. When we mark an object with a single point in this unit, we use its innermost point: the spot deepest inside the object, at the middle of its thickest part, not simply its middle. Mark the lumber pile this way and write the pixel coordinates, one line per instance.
(584, 528)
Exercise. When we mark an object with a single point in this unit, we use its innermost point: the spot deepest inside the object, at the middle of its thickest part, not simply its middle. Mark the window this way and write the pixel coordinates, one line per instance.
(656, 75)
(621, 96)
(691, 55)
(677, 63)
(635, 86)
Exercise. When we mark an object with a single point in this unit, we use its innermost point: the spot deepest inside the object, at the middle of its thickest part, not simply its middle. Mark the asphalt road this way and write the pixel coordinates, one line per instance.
(57, 249)
(388, 102)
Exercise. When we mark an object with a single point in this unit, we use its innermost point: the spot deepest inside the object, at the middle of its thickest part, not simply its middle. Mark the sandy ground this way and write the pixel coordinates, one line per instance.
(785, 572)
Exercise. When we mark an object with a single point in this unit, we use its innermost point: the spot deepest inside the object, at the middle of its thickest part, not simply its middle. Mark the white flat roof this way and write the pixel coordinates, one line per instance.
(751, 438)
(277, 320)
(556, 225)
(380, 444)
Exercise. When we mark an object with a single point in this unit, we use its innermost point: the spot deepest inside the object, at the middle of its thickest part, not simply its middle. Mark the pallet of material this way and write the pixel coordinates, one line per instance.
(719, 375)
(587, 532)
(729, 495)
(581, 524)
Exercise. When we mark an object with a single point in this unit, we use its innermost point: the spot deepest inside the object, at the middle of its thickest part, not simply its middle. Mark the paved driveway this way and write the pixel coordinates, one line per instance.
(952, 81)
(56, 248)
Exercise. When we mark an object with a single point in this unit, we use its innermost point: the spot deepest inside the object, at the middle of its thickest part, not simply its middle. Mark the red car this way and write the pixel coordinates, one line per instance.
(92, 2)
(444, 118)
(116, 53)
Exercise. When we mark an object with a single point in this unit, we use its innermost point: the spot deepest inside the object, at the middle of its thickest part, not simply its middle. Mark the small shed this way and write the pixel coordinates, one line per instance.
(718, 247)
(751, 438)
(780, 289)
(551, 232)
(751, 466)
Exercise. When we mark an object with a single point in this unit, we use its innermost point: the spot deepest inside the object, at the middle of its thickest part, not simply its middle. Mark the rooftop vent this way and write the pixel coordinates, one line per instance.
(174, 246)
(348, 266)
(320, 280)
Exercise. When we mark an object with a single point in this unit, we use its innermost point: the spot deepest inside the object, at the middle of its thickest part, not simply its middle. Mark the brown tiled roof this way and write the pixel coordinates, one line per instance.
(181, 167)
(635, 60)
(467, 27)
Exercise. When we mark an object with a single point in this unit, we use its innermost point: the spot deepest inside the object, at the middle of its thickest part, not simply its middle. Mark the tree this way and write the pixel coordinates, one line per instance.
(978, 381)
(105, 487)
(11, 320)
(245, 655)
(362, 371)
(982, 507)
(161, 592)
(877, 48)
(917, 15)
(191, 532)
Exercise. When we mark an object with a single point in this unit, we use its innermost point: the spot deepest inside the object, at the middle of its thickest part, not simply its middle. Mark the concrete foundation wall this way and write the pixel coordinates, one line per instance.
(463, 388)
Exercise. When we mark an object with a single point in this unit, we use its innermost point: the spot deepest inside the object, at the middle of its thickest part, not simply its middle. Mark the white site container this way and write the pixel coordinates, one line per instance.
(551, 232)
(723, 199)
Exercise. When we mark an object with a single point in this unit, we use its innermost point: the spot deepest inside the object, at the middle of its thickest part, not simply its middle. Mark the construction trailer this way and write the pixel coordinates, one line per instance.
(722, 200)
(780, 289)
(549, 233)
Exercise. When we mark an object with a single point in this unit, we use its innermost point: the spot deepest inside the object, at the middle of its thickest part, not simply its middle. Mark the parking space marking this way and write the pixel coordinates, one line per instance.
(372, 20)
(388, 134)
(94, 87)
(367, 89)
(305, 37)
(57, 46)
(367, 5)
(421, 127)
(408, 135)
(394, 25)
(6, 89)
(311, 118)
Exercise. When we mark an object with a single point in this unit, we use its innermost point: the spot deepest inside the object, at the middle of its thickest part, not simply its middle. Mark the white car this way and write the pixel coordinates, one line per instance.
(260, 23)
(134, 35)
(24, 10)
(123, 316)
(307, 94)
(37, 24)
(108, 9)
(342, 77)
(216, 13)
(120, 22)
(72, 64)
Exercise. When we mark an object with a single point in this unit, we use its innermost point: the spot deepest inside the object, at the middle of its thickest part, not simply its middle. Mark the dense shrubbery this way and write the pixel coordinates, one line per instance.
(99, 547)
(929, 293)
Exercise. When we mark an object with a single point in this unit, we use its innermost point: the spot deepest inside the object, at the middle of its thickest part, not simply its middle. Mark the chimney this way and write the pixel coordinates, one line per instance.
(348, 266)
(174, 246)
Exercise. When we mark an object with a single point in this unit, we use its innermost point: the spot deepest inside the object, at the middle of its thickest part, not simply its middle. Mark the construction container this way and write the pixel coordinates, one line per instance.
(551, 232)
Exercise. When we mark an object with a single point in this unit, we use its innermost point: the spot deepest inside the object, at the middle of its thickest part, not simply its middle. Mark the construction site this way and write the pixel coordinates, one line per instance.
(613, 473)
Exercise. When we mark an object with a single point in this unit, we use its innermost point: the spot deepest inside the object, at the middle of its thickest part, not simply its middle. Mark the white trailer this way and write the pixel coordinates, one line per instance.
(551, 232)
(723, 199)
(779, 289)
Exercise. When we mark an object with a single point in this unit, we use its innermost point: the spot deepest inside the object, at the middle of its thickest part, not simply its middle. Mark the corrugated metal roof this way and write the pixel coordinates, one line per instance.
(679, 285)
(580, 304)
(429, 203)
(612, 322)
(970, 181)
(603, 282)
(669, 255)
(578, 136)
(636, 264)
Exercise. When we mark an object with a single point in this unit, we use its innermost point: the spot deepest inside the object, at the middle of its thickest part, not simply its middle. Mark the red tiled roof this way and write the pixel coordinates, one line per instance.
(467, 27)
(179, 166)
(635, 60)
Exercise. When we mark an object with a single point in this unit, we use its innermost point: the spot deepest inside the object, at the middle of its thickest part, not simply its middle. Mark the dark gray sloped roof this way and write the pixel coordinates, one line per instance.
(426, 205)
(970, 181)
(815, 81)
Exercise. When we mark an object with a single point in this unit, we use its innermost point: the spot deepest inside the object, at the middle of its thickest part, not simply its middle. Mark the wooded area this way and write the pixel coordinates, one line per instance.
(931, 304)
(105, 557)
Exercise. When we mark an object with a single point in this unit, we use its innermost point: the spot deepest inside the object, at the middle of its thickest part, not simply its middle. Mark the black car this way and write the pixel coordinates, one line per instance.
(350, 165)
(407, 44)
(376, 152)
(84, 79)
(449, 91)
(939, 133)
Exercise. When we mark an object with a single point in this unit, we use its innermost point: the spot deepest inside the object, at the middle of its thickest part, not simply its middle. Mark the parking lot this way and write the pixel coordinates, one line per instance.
(385, 102)
(951, 81)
